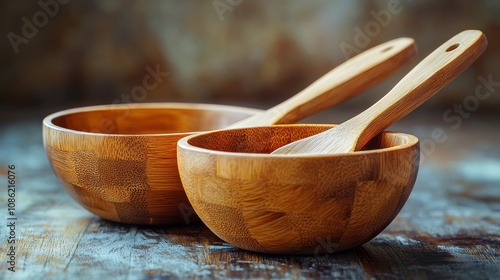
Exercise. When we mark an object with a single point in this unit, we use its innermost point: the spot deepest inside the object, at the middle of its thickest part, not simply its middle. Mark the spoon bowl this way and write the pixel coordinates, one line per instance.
(308, 204)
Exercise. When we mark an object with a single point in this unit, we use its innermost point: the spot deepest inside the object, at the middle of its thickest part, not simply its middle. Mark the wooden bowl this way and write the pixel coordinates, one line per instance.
(119, 161)
(295, 204)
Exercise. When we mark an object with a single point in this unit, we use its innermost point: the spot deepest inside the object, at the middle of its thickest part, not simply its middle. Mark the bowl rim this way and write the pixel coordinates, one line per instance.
(185, 145)
(48, 120)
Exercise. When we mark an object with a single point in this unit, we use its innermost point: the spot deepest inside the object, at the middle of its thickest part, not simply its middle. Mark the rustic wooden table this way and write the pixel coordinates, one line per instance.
(448, 229)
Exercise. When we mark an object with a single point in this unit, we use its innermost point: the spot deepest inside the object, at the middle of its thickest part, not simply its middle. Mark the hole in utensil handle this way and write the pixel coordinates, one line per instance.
(387, 49)
(452, 47)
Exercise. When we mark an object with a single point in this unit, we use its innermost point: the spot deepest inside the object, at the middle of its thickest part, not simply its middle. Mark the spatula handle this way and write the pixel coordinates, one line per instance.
(421, 83)
(345, 81)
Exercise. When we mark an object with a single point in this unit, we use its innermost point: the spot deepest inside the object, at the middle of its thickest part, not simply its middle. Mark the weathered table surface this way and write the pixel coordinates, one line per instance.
(448, 229)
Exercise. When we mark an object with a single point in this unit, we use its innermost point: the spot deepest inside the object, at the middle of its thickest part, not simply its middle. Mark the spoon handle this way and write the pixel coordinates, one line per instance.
(422, 82)
(343, 82)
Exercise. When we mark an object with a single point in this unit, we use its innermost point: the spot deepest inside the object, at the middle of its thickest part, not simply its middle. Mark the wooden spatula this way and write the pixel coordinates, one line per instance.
(422, 82)
(343, 82)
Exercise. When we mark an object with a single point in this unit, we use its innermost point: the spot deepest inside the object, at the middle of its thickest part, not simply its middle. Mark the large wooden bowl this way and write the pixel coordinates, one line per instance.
(295, 204)
(119, 162)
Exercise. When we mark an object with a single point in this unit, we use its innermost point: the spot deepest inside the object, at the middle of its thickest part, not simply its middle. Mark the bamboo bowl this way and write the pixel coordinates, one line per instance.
(295, 204)
(119, 161)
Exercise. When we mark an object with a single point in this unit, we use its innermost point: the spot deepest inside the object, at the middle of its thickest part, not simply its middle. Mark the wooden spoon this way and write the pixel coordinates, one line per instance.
(345, 81)
(421, 83)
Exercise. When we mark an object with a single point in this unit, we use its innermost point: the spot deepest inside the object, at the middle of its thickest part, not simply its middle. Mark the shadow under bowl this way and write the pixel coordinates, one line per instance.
(119, 161)
(295, 204)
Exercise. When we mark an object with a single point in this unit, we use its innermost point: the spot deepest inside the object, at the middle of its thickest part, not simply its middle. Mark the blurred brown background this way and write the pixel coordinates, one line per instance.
(68, 53)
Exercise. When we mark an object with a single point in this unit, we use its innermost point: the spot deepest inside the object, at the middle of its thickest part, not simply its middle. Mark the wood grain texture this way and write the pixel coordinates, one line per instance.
(284, 204)
(421, 83)
(119, 162)
(448, 229)
(345, 81)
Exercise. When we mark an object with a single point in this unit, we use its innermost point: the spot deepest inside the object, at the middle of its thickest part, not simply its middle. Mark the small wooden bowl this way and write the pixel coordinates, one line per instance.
(119, 161)
(295, 204)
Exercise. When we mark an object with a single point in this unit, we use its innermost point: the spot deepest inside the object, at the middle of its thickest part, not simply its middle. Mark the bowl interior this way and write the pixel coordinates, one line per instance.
(264, 140)
(140, 119)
